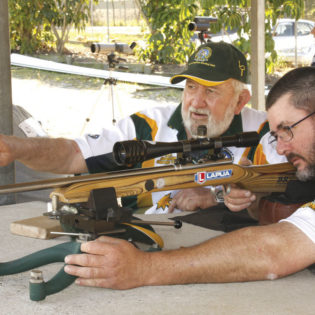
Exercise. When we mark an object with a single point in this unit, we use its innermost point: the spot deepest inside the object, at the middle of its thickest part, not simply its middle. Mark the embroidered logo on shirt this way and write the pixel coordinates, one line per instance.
(94, 136)
(167, 159)
(164, 202)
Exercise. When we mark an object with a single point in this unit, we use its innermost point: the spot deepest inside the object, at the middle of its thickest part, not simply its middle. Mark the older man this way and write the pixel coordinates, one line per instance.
(253, 253)
(215, 95)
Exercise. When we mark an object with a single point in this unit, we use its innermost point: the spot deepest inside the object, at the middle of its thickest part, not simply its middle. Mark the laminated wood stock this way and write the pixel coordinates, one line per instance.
(265, 178)
(268, 178)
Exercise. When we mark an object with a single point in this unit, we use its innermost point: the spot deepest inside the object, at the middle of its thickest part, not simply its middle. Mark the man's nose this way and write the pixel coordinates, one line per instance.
(282, 147)
(199, 99)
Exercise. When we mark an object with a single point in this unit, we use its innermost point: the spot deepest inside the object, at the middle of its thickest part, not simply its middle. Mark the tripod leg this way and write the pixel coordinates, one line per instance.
(111, 92)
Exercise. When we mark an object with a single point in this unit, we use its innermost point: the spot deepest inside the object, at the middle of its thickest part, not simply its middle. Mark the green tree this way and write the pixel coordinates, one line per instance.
(33, 23)
(169, 38)
(27, 31)
(236, 15)
(63, 15)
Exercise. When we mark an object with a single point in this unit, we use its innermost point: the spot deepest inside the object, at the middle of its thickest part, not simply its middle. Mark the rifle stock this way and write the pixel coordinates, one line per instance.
(265, 178)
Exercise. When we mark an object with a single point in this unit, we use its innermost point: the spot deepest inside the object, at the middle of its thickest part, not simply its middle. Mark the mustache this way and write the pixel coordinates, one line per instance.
(291, 156)
(199, 111)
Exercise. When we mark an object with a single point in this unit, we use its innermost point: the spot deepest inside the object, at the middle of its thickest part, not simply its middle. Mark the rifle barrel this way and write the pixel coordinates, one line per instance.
(67, 181)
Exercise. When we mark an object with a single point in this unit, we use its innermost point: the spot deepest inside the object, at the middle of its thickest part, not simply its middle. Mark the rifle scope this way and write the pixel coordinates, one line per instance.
(135, 151)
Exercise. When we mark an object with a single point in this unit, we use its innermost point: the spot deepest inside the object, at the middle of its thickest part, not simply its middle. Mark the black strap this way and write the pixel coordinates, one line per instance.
(219, 218)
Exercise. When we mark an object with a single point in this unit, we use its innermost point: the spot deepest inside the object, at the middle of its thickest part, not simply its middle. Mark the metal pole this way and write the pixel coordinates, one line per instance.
(91, 12)
(296, 43)
(107, 11)
(7, 175)
(258, 54)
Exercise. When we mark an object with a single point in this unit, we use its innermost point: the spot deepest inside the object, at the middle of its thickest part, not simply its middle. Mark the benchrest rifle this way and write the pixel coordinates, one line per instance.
(87, 205)
(95, 196)
(213, 169)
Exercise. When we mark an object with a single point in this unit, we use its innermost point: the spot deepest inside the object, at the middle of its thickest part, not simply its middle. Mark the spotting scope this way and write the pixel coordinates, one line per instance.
(106, 48)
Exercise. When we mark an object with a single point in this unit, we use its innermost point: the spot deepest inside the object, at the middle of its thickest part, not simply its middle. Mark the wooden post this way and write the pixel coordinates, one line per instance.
(7, 175)
(258, 54)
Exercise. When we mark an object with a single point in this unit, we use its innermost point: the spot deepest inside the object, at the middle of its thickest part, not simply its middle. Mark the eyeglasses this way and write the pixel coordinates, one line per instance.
(285, 133)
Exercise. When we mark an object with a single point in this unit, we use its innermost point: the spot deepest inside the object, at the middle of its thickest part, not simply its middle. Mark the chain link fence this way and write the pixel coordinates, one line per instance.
(115, 13)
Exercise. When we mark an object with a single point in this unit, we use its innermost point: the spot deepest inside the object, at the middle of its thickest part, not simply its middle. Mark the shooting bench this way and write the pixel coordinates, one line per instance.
(290, 295)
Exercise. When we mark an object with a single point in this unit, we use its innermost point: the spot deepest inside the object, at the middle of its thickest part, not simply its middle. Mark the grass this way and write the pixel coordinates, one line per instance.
(56, 78)
(102, 36)
(81, 82)
(79, 48)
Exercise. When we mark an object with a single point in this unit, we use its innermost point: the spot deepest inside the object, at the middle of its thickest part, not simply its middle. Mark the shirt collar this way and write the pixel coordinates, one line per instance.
(176, 122)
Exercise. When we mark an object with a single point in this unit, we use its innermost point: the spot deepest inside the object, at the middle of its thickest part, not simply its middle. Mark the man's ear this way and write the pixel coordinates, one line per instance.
(243, 99)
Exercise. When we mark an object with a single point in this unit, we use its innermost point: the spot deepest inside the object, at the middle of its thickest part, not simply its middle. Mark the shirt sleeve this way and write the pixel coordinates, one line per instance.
(304, 219)
(103, 142)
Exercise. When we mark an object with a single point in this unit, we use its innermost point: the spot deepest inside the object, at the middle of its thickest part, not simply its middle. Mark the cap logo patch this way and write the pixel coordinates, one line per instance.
(203, 54)
(242, 68)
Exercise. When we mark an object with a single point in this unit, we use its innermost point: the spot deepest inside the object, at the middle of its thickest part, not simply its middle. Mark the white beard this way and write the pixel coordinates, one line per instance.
(214, 128)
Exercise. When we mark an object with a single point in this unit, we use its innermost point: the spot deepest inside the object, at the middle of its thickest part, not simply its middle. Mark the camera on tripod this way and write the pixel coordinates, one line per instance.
(202, 24)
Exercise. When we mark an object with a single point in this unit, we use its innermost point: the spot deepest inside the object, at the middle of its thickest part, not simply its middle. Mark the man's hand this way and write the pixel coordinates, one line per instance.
(117, 264)
(109, 263)
(192, 199)
(238, 199)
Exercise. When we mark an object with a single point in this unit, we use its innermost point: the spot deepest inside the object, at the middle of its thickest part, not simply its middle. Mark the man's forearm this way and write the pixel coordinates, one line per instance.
(256, 253)
(46, 154)
(253, 209)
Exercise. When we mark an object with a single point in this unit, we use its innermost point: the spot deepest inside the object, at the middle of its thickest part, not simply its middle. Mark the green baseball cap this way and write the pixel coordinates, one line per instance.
(214, 63)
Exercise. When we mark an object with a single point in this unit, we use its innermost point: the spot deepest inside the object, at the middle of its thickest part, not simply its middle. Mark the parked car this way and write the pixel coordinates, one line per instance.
(285, 40)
